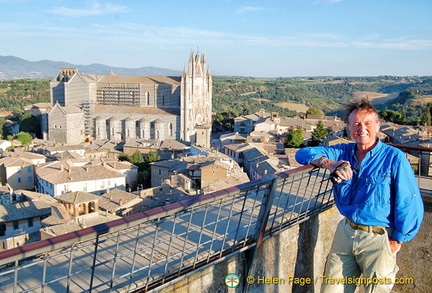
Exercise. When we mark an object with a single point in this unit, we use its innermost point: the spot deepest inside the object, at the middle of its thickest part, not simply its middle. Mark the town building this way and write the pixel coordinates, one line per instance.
(73, 211)
(198, 174)
(120, 202)
(20, 220)
(120, 108)
(59, 177)
(17, 169)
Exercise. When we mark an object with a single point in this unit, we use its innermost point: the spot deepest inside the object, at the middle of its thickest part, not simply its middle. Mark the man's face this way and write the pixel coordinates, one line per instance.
(363, 127)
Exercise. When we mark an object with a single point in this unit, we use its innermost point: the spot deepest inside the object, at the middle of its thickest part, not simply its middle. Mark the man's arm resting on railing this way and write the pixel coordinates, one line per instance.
(325, 163)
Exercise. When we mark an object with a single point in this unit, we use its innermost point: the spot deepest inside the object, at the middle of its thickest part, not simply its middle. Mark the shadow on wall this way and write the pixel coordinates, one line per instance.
(415, 257)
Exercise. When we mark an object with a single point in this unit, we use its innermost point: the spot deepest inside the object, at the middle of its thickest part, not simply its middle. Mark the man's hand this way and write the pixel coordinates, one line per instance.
(345, 173)
(394, 245)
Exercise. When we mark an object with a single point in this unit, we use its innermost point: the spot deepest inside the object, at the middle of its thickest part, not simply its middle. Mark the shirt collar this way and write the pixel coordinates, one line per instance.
(373, 151)
(376, 148)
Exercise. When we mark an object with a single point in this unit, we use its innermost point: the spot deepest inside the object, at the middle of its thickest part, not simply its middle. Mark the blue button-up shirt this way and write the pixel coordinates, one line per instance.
(382, 192)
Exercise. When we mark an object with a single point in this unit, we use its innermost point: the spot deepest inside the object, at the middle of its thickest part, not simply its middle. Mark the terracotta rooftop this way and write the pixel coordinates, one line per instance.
(77, 197)
(61, 172)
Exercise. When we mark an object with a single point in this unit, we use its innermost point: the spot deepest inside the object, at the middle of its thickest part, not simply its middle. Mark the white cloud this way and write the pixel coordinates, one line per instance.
(249, 8)
(95, 9)
(402, 44)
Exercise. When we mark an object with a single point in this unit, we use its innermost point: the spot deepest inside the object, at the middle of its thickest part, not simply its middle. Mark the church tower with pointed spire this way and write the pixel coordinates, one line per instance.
(196, 101)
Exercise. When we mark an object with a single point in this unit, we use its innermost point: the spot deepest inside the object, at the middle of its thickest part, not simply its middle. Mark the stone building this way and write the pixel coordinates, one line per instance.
(120, 108)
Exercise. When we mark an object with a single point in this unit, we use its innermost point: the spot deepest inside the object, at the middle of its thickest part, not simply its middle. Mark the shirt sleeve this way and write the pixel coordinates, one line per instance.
(408, 203)
(307, 155)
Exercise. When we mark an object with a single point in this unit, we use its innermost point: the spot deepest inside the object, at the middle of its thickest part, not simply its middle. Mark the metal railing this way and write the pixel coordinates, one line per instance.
(421, 162)
(146, 251)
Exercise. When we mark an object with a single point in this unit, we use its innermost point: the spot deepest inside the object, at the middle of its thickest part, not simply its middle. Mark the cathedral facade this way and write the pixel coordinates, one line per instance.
(121, 108)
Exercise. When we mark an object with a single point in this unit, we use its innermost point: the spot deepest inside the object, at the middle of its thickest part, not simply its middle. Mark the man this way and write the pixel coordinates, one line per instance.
(379, 198)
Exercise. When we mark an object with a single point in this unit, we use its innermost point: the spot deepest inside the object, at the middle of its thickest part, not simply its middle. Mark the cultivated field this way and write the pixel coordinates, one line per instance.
(301, 108)
(376, 98)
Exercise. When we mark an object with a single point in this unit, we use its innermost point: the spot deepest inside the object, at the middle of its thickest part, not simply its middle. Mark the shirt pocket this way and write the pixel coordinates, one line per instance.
(345, 194)
(378, 189)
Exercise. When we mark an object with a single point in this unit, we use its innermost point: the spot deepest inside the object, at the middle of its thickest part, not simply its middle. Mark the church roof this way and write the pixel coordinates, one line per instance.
(131, 110)
(133, 79)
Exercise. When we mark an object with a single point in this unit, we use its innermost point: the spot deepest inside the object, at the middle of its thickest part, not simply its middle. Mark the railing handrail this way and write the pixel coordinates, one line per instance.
(59, 241)
(411, 147)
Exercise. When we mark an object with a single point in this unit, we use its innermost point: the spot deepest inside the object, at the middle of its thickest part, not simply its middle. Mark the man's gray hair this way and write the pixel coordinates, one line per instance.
(359, 104)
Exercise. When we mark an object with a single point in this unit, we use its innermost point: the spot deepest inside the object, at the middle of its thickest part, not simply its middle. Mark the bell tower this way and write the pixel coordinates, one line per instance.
(196, 101)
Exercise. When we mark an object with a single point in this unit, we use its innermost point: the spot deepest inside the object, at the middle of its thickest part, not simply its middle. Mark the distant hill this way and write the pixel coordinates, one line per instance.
(12, 67)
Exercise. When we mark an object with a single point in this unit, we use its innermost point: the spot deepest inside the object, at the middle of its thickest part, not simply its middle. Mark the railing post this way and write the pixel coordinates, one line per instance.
(260, 229)
(94, 263)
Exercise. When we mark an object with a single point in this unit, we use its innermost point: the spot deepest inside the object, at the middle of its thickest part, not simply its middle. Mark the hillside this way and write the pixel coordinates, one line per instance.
(403, 99)
(293, 96)
(16, 68)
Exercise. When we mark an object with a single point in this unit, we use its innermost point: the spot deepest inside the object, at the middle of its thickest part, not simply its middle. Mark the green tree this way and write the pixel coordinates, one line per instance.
(30, 123)
(425, 118)
(24, 138)
(2, 125)
(152, 157)
(295, 138)
(136, 158)
(319, 133)
(314, 111)
(123, 157)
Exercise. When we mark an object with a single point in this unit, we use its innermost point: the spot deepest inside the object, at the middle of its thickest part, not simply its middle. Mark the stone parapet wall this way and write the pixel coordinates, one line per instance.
(300, 252)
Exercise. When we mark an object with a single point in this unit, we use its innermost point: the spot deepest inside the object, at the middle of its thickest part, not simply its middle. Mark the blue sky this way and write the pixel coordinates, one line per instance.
(279, 38)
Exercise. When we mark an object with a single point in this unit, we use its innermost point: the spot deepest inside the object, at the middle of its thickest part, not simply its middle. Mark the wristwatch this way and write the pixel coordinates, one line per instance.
(321, 160)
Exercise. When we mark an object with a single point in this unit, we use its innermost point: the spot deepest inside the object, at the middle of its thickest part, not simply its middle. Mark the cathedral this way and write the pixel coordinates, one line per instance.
(120, 108)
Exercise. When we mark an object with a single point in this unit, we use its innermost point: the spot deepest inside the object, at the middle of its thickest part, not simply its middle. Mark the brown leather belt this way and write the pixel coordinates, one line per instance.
(373, 229)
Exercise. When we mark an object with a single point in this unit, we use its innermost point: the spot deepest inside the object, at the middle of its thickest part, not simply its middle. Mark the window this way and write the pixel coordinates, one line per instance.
(170, 129)
(19, 180)
(30, 179)
(30, 222)
(160, 171)
(15, 225)
(147, 97)
(29, 169)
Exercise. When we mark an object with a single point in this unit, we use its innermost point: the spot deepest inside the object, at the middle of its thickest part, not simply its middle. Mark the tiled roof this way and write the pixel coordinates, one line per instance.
(37, 197)
(238, 147)
(116, 198)
(122, 165)
(56, 174)
(15, 162)
(131, 110)
(27, 155)
(77, 197)
(24, 210)
(111, 78)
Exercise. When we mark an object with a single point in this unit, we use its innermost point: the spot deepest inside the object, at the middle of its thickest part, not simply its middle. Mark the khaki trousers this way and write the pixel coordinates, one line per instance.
(359, 258)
